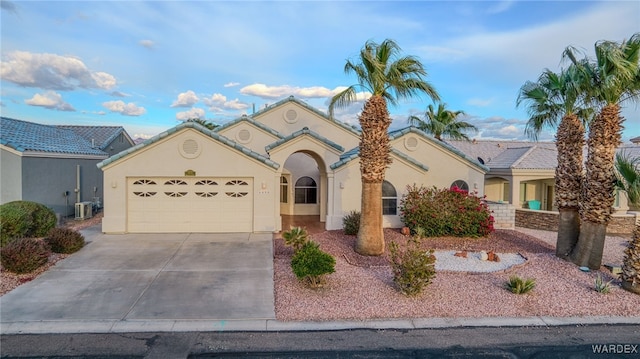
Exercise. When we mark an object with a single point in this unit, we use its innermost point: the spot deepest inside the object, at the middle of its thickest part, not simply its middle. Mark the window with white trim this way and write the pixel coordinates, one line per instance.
(389, 199)
(306, 190)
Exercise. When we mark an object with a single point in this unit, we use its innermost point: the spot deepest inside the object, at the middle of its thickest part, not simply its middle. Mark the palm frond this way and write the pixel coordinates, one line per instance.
(628, 176)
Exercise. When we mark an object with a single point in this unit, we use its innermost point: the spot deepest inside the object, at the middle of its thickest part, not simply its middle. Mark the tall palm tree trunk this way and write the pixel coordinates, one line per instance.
(597, 195)
(569, 142)
(374, 159)
(631, 266)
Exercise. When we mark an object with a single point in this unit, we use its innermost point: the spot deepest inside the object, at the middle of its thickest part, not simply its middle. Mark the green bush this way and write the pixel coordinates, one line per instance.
(24, 255)
(310, 264)
(296, 237)
(413, 268)
(64, 240)
(518, 285)
(20, 219)
(351, 223)
(445, 212)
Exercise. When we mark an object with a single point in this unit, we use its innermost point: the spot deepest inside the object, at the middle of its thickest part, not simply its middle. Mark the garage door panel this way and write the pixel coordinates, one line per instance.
(190, 205)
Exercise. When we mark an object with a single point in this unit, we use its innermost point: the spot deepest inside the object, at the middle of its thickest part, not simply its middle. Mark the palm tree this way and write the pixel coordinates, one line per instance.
(389, 78)
(555, 96)
(613, 78)
(208, 125)
(628, 171)
(443, 122)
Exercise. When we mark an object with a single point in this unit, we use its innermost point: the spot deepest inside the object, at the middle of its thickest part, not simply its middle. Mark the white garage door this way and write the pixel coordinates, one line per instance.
(189, 204)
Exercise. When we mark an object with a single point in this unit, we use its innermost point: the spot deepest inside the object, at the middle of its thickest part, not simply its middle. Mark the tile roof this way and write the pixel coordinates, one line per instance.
(352, 129)
(411, 129)
(202, 129)
(355, 153)
(100, 136)
(26, 136)
(305, 131)
(529, 157)
(255, 123)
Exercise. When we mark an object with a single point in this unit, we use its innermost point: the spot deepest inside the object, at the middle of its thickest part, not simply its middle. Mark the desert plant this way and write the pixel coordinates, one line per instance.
(24, 255)
(351, 223)
(442, 212)
(310, 264)
(64, 240)
(24, 219)
(601, 286)
(413, 268)
(296, 237)
(631, 264)
(518, 285)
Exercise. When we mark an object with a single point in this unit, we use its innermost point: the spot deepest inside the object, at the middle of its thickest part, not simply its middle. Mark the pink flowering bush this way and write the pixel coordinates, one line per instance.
(445, 212)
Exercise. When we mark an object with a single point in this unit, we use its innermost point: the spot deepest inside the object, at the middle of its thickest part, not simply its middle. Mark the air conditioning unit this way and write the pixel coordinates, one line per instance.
(84, 210)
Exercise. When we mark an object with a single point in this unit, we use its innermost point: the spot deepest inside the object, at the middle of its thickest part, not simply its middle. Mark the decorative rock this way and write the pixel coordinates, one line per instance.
(405, 231)
(483, 255)
(462, 254)
(493, 257)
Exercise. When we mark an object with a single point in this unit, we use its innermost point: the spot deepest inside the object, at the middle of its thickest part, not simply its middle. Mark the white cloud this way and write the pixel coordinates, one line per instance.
(126, 109)
(149, 44)
(119, 94)
(52, 72)
(276, 92)
(501, 6)
(186, 99)
(217, 102)
(232, 84)
(51, 100)
(194, 112)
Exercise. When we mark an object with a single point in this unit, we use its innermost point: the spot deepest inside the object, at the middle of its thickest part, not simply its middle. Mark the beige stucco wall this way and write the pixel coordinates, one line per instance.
(259, 138)
(445, 167)
(163, 159)
(275, 119)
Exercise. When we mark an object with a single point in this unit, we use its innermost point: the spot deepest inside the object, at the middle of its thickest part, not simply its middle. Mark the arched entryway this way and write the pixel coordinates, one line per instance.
(303, 191)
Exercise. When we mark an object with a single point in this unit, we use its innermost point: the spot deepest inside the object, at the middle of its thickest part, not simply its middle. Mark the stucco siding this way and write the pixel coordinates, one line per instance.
(257, 138)
(10, 177)
(444, 166)
(164, 159)
(278, 120)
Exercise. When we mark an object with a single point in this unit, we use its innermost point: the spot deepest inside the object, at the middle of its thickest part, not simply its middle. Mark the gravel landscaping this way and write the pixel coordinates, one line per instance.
(362, 287)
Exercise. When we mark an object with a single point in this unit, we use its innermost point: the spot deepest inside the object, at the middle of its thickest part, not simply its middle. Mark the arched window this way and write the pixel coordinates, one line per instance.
(284, 190)
(461, 185)
(389, 199)
(306, 190)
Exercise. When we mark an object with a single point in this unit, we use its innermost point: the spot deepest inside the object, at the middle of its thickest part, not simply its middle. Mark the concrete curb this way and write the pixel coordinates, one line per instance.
(272, 325)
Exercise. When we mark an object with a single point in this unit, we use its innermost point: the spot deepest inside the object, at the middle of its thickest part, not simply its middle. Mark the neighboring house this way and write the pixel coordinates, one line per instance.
(55, 165)
(287, 159)
(522, 172)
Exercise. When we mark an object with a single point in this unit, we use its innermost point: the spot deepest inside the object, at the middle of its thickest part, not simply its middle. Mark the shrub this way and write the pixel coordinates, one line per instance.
(445, 212)
(310, 264)
(601, 286)
(24, 255)
(24, 219)
(518, 285)
(296, 237)
(351, 223)
(413, 268)
(64, 240)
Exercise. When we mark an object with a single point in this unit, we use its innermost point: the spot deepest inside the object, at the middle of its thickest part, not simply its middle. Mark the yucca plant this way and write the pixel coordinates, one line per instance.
(601, 286)
(296, 237)
(518, 285)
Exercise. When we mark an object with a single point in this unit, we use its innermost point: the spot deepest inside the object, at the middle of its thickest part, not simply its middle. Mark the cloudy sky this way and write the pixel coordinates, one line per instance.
(147, 65)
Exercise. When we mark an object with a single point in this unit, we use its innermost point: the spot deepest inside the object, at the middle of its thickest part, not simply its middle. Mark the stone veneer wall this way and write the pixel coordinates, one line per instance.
(546, 220)
(504, 215)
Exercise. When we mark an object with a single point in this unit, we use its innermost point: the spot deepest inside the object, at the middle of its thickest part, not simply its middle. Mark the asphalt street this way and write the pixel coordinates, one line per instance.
(570, 341)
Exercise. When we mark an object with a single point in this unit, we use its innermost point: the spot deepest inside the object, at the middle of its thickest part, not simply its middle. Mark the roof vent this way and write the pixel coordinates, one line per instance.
(190, 148)
(291, 116)
(411, 143)
(244, 136)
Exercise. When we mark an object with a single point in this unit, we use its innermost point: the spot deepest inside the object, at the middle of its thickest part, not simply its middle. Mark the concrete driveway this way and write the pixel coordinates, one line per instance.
(141, 278)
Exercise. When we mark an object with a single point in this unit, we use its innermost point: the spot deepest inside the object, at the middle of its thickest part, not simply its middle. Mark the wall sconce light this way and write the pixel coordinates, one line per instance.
(475, 185)
(114, 184)
(341, 185)
(263, 185)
